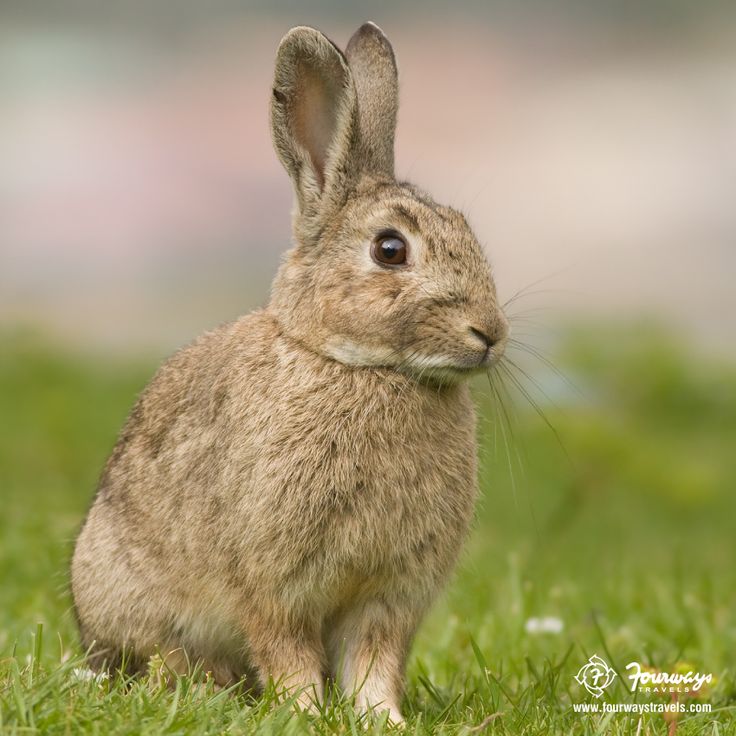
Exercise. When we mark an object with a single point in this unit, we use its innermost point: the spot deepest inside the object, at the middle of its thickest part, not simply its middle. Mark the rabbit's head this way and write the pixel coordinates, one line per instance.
(379, 275)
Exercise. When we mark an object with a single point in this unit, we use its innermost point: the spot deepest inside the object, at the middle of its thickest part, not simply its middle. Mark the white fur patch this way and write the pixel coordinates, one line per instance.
(349, 352)
(428, 362)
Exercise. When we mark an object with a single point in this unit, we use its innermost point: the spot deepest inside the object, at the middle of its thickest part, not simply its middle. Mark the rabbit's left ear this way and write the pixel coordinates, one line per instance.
(314, 121)
(373, 66)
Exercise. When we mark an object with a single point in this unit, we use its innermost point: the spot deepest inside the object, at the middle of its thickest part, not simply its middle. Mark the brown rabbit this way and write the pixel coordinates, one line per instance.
(292, 490)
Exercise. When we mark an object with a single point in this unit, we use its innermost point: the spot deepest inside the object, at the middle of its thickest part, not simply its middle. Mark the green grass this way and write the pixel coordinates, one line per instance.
(626, 535)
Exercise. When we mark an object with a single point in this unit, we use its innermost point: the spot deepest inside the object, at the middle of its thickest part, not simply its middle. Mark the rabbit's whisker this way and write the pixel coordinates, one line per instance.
(503, 417)
(534, 404)
(525, 290)
(539, 355)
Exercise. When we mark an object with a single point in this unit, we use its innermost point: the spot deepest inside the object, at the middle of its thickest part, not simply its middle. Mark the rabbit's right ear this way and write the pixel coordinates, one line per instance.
(314, 121)
(373, 65)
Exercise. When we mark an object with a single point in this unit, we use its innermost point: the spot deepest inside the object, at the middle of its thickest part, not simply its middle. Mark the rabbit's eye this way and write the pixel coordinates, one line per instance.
(389, 250)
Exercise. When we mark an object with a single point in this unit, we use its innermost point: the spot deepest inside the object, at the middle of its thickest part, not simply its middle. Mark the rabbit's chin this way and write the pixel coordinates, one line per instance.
(439, 369)
(435, 368)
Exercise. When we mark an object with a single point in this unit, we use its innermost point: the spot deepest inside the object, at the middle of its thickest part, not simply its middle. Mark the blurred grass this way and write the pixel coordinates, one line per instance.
(621, 525)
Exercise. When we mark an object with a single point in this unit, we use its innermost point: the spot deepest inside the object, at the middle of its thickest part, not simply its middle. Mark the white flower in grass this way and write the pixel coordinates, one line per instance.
(544, 625)
(85, 674)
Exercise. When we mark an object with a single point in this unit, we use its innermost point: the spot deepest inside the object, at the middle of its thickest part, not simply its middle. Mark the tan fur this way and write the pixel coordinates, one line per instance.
(292, 490)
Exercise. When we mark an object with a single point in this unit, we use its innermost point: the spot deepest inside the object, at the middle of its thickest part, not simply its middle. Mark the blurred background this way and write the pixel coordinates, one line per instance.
(593, 147)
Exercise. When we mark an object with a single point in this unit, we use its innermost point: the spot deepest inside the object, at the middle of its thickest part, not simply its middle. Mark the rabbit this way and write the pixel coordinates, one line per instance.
(292, 490)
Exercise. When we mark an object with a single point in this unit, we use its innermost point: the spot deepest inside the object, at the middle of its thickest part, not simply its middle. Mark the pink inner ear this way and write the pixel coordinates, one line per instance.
(315, 116)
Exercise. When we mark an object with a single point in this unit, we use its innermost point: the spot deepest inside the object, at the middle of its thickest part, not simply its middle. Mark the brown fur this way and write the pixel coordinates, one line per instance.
(292, 490)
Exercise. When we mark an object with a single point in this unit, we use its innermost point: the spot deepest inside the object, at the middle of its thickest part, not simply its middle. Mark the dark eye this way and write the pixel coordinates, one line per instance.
(389, 249)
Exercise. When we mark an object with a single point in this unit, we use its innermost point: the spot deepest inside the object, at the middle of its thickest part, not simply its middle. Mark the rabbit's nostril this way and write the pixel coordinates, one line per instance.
(489, 341)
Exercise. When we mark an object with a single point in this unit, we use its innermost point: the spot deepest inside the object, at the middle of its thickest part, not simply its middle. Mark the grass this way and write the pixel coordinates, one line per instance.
(626, 536)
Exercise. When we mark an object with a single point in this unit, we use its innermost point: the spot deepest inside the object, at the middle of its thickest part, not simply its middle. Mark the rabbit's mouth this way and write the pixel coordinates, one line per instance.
(458, 352)
(478, 353)
(453, 368)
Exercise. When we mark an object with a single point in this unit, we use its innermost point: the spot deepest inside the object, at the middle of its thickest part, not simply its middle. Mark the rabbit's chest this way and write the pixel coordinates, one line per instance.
(369, 495)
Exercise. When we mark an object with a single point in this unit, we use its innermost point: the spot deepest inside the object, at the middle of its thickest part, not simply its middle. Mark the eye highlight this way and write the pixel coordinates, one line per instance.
(389, 249)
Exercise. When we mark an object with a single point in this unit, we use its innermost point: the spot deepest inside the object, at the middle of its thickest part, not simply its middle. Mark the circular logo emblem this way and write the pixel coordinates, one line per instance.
(595, 676)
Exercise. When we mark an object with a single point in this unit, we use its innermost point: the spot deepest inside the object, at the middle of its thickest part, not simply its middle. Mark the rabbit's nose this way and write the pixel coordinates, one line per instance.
(487, 339)
(491, 331)
(491, 334)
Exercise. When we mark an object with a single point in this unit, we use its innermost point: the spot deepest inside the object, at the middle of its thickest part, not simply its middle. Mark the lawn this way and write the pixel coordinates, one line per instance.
(613, 516)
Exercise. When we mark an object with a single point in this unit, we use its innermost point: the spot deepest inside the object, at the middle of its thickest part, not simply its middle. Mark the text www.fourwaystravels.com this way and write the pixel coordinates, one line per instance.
(641, 708)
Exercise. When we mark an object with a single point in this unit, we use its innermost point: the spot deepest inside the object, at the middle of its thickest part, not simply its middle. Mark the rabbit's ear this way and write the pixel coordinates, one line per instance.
(314, 119)
(373, 65)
